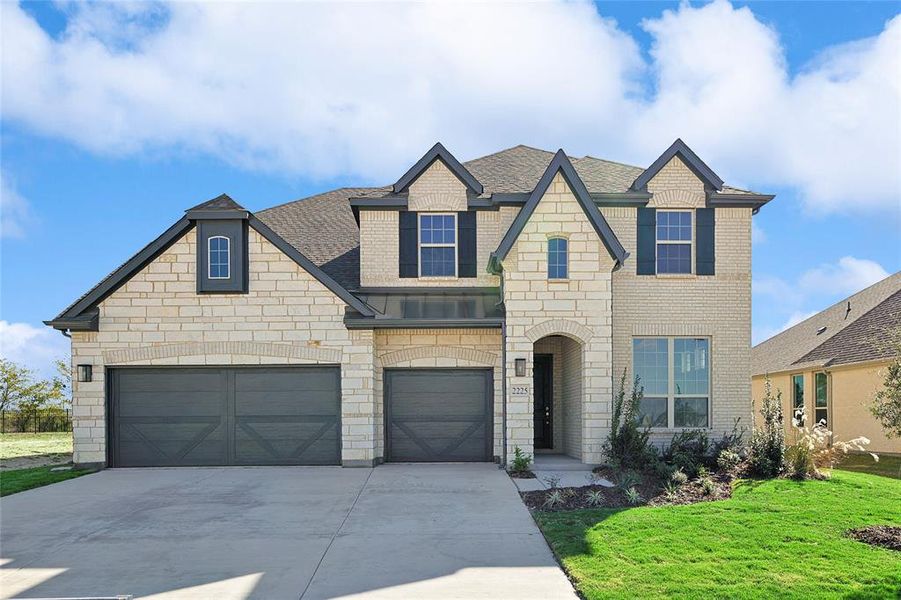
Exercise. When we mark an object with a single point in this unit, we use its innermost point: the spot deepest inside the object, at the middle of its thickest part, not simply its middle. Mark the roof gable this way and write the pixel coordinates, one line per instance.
(560, 164)
(438, 152)
(680, 149)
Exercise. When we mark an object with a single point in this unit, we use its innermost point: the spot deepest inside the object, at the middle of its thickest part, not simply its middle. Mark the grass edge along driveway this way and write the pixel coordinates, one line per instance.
(777, 538)
(19, 480)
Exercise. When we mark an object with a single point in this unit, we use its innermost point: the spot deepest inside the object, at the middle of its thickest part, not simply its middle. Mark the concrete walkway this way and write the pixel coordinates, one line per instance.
(397, 531)
(562, 471)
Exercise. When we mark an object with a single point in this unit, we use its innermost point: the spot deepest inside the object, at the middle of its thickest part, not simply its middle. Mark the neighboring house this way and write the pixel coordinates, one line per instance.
(466, 310)
(832, 364)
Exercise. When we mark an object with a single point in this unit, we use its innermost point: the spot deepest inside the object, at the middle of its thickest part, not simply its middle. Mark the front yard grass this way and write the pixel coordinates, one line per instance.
(19, 450)
(20, 480)
(778, 538)
(889, 465)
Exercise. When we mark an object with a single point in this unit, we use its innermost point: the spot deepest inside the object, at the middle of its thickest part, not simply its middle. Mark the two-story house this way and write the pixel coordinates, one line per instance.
(466, 310)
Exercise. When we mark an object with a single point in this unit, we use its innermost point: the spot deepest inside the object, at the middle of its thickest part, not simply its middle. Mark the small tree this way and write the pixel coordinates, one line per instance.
(886, 405)
(767, 445)
(627, 444)
(64, 379)
(15, 383)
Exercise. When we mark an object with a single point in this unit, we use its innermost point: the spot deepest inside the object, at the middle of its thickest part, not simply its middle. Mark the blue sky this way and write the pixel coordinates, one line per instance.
(117, 118)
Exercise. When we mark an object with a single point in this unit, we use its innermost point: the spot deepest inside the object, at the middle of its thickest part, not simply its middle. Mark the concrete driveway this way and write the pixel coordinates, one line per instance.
(397, 531)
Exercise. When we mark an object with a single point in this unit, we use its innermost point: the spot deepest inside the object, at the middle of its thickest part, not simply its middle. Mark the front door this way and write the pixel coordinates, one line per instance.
(544, 401)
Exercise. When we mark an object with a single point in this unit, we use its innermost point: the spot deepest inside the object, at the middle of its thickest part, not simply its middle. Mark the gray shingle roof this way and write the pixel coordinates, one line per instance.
(800, 346)
(323, 227)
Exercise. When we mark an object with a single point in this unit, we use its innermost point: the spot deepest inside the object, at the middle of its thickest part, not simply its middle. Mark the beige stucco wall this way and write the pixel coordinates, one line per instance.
(851, 391)
(436, 190)
(717, 307)
(287, 317)
(578, 308)
(422, 348)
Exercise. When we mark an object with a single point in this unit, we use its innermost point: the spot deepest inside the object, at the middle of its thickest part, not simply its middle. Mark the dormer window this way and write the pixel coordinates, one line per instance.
(437, 245)
(557, 258)
(219, 257)
(674, 241)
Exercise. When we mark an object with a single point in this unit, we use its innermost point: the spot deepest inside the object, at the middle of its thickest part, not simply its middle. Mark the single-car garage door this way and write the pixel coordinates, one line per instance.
(438, 415)
(224, 416)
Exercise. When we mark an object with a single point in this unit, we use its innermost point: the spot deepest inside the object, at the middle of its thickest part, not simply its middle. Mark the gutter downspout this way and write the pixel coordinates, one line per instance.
(503, 464)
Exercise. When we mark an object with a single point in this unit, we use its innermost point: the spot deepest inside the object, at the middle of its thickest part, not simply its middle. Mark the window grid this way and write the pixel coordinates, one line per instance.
(675, 372)
(557, 258)
(218, 259)
(437, 245)
(674, 238)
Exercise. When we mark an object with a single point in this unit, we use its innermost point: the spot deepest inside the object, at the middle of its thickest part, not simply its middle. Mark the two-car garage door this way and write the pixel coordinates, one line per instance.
(225, 416)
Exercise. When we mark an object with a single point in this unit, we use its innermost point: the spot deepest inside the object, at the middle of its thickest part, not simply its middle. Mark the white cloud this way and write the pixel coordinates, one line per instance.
(15, 212)
(812, 291)
(758, 235)
(34, 347)
(322, 89)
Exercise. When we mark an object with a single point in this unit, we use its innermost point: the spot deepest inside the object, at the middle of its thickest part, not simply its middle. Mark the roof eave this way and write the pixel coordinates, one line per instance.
(438, 152)
(681, 149)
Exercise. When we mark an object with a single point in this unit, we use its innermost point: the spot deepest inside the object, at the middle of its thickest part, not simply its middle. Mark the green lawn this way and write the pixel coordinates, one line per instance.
(20, 480)
(888, 465)
(777, 538)
(26, 450)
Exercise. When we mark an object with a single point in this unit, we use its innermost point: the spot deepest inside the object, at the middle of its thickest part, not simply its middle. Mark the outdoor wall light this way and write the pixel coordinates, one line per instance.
(520, 367)
(84, 373)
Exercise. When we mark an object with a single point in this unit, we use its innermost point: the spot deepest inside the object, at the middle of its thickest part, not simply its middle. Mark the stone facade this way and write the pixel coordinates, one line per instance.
(578, 308)
(587, 322)
(287, 317)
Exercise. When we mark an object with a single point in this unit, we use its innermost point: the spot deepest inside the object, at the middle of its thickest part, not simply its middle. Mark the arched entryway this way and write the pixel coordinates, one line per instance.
(558, 379)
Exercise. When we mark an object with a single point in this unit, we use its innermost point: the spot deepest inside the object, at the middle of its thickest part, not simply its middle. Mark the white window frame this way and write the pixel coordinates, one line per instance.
(228, 256)
(671, 395)
(689, 243)
(420, 245)
(565, 255)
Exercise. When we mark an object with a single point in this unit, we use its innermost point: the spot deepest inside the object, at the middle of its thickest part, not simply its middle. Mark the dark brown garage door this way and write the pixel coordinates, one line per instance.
(224, 416)
(438, 415)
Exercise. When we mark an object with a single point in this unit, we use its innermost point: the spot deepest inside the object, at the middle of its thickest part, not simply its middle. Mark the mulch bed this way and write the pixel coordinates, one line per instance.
(652, 494)
(521, 474)
(884, 536)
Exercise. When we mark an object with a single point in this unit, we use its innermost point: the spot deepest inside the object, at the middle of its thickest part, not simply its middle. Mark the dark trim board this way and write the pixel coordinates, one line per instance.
(438, 152)
(231, 421)
(680, 149)
(488, 378)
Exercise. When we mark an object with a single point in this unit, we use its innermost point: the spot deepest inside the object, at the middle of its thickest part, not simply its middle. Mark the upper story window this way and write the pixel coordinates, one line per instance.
(675, 376)
(219, 257)
(674, 241)
(557, 258)
(437, 245)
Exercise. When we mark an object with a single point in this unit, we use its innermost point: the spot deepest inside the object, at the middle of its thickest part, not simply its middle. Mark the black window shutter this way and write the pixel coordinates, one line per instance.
(646, 261)
(408, 245)
(466, 244)
(705, 231)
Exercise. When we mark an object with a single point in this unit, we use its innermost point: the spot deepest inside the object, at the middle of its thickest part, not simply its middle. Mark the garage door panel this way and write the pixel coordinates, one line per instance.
(438, 414)
(217, 416)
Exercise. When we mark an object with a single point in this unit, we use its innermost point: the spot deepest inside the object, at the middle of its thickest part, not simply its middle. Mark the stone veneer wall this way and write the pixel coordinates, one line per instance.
(578, 308)
(718, 307)
(287, 317)
(412, 348)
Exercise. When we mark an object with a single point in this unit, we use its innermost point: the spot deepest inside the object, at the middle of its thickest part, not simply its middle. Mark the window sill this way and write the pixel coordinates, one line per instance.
(676, 276)
(437, 278)
(673, 430)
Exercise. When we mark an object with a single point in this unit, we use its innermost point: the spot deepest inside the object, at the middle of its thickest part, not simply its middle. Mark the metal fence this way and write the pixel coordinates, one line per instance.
(42, 420)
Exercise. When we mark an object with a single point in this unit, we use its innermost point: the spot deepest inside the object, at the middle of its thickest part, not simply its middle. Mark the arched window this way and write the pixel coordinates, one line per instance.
(218, 257)
(557, 259)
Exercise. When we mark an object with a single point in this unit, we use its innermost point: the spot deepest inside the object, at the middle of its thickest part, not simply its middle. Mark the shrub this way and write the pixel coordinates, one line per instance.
(552, 481)
(814, 449)
(887, 400)
(632, 496)
(689, 450)
(627, 445)
(521, 460)
(727, 460)
(766, 450)
(732, 441)
(628, 479)
(670, 489)
(594, 498)
(679, 478)
(707, 486)
(553, 499)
